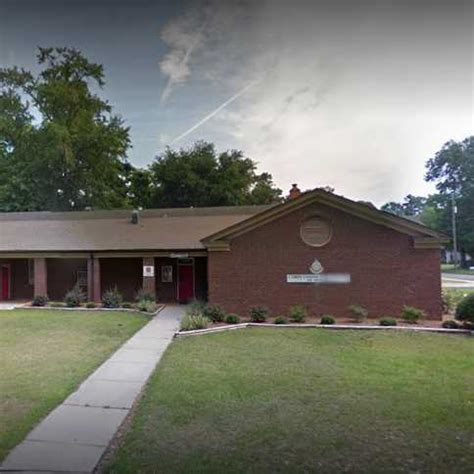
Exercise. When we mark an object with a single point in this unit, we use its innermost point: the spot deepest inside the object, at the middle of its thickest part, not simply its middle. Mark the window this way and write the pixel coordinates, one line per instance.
(166, 273)
(316, 231)
(81, 278)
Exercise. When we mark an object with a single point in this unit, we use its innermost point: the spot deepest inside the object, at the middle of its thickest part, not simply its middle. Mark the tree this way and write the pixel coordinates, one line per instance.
(411, 206)
(199, 176)
(61, 148)
(452, 169)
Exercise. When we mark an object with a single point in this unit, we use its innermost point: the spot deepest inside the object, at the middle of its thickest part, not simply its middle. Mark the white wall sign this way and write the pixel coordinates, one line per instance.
(319, 278)
(148, 271)
(179, 255)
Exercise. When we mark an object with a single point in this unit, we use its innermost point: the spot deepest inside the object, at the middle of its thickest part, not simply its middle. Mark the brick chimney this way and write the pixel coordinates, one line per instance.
(294, 191)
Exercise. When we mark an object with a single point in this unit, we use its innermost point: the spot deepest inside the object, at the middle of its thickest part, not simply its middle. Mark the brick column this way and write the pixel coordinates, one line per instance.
(41, 277)
(149, 281)
(96, 292)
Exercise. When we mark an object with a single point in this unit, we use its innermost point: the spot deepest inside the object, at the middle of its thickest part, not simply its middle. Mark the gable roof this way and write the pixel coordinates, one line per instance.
(424, 237)
(86, 231)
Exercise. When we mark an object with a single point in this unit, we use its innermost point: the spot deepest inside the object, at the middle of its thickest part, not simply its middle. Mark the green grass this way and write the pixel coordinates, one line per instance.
(450, 268)
(294, 400)
(44, 355)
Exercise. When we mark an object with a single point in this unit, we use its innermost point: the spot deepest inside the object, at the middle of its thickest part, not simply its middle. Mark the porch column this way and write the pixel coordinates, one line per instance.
(96, 293)
(93, 279)
(40, 277)
(149, 278)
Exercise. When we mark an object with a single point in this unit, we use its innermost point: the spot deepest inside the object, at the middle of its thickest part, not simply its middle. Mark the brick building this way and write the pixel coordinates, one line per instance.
(317, 249)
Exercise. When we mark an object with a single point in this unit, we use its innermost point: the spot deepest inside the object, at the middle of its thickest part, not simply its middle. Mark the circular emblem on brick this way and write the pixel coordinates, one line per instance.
(316, 267)
(316, 231)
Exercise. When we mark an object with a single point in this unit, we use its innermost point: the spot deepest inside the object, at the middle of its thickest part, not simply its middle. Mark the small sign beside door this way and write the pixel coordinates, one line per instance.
(148, 271)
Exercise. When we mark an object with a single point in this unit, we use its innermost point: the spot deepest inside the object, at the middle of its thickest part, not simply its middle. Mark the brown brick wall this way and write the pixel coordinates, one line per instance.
(20, 288)
(62, 275)
(386, 271)
(124, 273)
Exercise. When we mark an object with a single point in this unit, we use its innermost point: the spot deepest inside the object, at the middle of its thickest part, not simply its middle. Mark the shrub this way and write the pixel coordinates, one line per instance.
(258, 314)
(280, 320)
(298, 314)
(147, 306)
(56, 304)
(359, 313)
(451, 299)
(75, 297)
(387, 321)
(465, 309)
(468, 325)
(327, 319)
(411, 314)
(112, 298)
(127, 305)
(194, 321)
(450, 324)
(143, 295)
(214, 312)
(40, 300)
(91, 305)
(196, 306)
(232, 319)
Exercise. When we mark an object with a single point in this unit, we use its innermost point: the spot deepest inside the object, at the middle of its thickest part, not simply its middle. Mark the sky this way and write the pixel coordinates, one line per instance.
(356, 95)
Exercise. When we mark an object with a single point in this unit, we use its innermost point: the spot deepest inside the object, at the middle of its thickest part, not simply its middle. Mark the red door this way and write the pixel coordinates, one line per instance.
(185, 283)
(5, 293)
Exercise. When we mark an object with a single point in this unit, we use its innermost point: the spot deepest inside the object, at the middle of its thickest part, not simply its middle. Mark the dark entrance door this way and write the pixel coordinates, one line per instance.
(185, 283)
(5, 290)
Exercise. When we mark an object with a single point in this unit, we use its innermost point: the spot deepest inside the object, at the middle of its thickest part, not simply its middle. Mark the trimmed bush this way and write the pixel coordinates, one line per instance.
(40, 300)
(387, 321)
(75, 297)
(194, 321)
(327, 319)
(258, 314)
(298, 314)
(232, 318)
(280, 320)
(147, 306)
(215, 313)
(450, 324)
(359, 313)
(91, 305)
(196, 306)
(112, 298)
(411, 314)
(451, 299)
(57, 304)
(127, 305)
(143, 295)
(465, 309)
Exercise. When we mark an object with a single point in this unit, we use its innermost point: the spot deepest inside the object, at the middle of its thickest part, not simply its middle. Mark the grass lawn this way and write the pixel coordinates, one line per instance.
(295, 400)
(45, 354)
(449, 268)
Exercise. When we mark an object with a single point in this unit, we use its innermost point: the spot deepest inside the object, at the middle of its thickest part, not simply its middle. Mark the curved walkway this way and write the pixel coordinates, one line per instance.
(74, 436)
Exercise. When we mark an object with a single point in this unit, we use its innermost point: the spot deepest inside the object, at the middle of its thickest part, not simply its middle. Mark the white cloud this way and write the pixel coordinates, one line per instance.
(182, 35)
(356, 99)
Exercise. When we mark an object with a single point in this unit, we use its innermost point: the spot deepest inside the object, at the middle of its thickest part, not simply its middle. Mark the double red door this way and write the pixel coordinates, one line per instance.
(5, 289)
(185, 283)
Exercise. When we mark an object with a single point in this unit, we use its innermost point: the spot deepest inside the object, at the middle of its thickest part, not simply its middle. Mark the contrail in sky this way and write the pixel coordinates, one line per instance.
(183, 65)
(214, 112)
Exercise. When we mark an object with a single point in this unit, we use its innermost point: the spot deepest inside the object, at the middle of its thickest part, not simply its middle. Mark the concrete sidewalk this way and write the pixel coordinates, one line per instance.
(74, 436)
